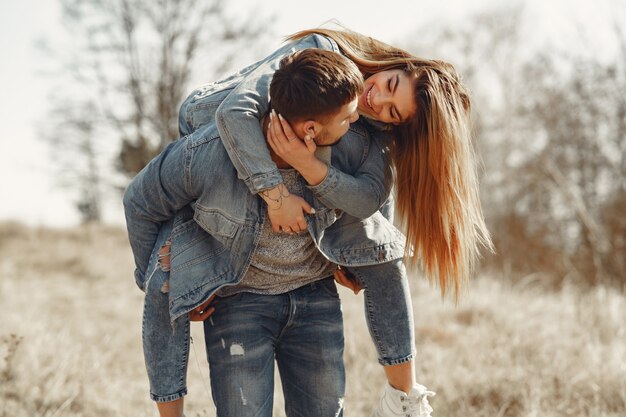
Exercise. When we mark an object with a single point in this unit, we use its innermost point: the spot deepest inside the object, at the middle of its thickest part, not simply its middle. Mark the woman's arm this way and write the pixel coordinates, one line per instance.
(238, 121)
(238, 118)
(361, 193)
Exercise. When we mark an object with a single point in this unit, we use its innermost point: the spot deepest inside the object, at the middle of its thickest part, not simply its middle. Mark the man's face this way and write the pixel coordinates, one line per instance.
(338, 124)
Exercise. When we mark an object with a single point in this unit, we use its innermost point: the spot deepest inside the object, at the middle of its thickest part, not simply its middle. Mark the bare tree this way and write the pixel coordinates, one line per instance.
(133, 60)
(71, 135)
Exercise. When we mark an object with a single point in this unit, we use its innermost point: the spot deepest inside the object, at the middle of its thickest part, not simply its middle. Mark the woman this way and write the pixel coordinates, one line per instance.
(421, 109)
(424, 109)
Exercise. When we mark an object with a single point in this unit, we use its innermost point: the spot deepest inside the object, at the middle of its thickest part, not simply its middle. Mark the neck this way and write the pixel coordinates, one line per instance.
(280, 163)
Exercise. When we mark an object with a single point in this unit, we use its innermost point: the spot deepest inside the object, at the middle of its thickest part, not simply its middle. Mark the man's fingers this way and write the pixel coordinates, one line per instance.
(196, 316)
(343, 279)
(203, 311)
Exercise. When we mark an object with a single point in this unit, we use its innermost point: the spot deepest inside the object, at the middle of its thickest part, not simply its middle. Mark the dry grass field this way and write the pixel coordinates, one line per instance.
(70, 340)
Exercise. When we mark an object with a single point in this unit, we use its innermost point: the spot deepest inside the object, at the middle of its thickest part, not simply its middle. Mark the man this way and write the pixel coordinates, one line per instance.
(274, 305)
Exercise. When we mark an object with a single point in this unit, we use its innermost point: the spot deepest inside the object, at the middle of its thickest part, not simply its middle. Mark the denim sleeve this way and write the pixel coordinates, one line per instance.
(362, 193)
(161, 189)
(238, 118)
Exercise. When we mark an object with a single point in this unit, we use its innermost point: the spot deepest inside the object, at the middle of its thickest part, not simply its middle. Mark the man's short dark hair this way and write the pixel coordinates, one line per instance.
(314, 84)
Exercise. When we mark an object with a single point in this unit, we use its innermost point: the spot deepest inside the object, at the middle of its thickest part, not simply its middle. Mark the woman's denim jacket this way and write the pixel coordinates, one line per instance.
(217, 220)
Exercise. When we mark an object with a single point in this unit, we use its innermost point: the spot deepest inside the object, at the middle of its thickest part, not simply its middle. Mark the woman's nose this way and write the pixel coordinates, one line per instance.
(380, 99)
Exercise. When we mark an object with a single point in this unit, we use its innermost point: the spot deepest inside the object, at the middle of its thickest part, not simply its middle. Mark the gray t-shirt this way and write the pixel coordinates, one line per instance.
(283, 262)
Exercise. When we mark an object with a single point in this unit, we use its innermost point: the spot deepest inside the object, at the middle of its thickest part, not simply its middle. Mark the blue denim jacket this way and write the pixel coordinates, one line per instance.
(217, 221)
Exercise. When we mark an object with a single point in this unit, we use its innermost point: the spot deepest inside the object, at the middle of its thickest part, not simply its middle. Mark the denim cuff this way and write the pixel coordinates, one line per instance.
(398, 361)
(327, 185)
(169, 397)
(259, 182)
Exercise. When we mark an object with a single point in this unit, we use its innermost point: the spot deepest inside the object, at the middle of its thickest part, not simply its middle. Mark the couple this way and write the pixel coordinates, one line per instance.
(270, 263)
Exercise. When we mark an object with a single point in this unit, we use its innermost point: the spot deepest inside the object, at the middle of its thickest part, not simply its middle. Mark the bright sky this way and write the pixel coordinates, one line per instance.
(28, 192)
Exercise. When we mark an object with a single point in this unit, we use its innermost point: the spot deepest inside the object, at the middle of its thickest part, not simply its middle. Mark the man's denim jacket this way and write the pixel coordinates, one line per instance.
(217, 220)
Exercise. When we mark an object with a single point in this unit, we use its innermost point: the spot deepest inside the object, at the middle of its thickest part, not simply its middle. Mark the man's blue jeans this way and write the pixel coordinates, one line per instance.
(302, 330)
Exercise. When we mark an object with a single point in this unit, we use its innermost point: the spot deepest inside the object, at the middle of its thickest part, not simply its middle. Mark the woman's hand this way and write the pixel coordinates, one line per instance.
(286, 211)
(345, 278)
(287, 145)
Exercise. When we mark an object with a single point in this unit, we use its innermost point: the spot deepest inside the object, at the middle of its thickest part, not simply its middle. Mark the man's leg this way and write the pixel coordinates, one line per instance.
(240, 337)
(310, 352)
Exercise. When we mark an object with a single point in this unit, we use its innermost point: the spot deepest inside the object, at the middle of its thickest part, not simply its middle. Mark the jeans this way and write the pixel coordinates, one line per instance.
(388, 310)
(165, 344)
(302, 330)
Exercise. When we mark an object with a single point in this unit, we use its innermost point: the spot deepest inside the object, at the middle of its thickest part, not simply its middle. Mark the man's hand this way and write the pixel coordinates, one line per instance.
(345, 278)
(203, 311)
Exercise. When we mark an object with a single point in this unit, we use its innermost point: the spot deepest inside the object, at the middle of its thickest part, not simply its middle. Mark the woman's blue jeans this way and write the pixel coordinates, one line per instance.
(388, 310)
(302, 330)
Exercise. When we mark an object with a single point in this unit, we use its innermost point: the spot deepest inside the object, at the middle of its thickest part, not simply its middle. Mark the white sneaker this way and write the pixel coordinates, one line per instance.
(396, 403)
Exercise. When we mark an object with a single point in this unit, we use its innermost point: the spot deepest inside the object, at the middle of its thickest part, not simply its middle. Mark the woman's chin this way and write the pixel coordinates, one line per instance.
(367, 116)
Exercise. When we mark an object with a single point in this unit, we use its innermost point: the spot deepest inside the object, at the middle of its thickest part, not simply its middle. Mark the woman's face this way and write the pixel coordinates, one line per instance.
(388, 97)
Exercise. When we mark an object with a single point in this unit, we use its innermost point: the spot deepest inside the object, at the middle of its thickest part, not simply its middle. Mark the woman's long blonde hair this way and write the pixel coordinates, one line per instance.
(436, 182)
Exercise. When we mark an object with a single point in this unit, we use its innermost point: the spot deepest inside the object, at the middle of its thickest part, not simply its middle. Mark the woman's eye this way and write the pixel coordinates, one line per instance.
(389, 85)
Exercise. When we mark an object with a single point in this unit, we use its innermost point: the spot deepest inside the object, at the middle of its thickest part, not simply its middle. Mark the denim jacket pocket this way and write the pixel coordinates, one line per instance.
(217, 224)
(192, 245)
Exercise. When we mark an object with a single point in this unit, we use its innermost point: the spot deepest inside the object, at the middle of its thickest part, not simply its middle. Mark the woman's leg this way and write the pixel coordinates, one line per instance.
(389, 315)
(171, 409)
(165, 345)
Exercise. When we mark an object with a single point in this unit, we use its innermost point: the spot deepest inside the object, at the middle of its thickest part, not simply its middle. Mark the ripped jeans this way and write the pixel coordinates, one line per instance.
(388, 312)
(165, 344)
(301, 329)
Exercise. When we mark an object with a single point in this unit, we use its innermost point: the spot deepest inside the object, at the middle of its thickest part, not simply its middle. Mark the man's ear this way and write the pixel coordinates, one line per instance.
(312, 128)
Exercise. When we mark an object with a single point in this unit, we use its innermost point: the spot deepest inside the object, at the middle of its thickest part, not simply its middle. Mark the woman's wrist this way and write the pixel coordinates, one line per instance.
(314, 172)
(274, 196)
